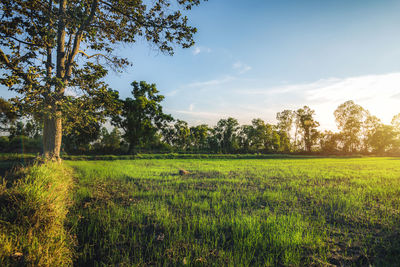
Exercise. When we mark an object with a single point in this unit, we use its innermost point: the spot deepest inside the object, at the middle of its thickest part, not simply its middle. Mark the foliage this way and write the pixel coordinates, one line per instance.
(384, 139)
(350, 118)
(142, 117)
(285, 121)
(7, 114)
(307, 126)
(330, 142)
(80, 138)
(30, 129)
(199, 135)
(110, 142)
(295, 132)
(182, 133)
(56, 54)
(226, 135)
(396, 122)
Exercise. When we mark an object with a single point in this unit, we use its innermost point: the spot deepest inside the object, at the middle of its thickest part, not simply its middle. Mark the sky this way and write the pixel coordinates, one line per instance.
(255, 58)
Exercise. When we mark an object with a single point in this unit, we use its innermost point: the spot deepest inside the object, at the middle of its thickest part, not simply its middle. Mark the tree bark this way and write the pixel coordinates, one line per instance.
(52, 128)
(52, 136)
(132, 149)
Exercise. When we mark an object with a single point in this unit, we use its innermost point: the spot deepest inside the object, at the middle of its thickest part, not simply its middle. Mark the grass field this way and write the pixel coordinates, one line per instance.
(316, 211)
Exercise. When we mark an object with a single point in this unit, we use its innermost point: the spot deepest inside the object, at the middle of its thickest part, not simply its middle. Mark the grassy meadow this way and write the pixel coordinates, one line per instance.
(251, 212)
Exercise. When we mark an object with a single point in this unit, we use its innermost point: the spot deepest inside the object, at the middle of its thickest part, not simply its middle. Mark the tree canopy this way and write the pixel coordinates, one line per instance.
(350, 118)
(56, 53)
(142, 116)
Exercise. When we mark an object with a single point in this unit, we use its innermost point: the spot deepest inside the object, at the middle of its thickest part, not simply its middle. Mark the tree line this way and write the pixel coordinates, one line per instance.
(139, 124)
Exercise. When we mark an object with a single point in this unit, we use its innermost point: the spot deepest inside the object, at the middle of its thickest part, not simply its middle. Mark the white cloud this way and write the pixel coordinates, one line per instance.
(196, 51)
(172, 93)
(222, 80)
(200, 49)
(197, 117)
(377, 93)
(241, 67)
(245, 100)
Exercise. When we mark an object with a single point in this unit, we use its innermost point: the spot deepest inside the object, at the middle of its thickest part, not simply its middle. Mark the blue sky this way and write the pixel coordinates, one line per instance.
(255, 58)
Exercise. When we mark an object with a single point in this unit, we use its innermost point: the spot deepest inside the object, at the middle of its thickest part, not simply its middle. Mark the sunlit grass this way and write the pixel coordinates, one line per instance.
(33, 209)
(238, 212)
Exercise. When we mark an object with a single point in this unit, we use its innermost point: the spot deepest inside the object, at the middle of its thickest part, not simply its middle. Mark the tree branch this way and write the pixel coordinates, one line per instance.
(78, 39)
(141, 23)
(95, 55)
(60, 72)
(4, 59)
(20, 41)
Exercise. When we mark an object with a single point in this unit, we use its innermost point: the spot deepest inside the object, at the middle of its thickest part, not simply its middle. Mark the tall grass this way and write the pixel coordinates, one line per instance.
(33, 208)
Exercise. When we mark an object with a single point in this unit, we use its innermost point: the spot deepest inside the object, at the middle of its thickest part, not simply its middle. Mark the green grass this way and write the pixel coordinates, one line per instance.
(34, 204)
(341, 211)
(182, 156)
(16, 156)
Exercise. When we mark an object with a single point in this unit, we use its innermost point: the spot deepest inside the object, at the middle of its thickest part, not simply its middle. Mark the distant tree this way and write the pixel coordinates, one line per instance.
(284, 142)
(24, 136)
(226, 133)
(199, 136)
(110, 142)
(30, 129)
(259, 135)
(17, 129)
(396, 122)
(273, 140)
(168, 134)
(213, 141)
(350, 118)
(264, 137)
(50, 47)
(245, 138)
(33, 129)
(80, 138)
(307, 127)
(369, 128)
(4, 144)
(330, 142)
(384, 139)
(7, 114)
(182, 135)
(285, 122)
(142, 116)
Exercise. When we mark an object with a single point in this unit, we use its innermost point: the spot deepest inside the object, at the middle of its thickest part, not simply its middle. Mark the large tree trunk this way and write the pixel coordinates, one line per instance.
(52, 135)
(132, 149)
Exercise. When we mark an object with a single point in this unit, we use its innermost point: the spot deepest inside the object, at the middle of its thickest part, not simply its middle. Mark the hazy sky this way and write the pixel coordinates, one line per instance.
(257, 57)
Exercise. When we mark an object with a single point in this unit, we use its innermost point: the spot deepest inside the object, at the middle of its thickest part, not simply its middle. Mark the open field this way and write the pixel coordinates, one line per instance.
(237, 212)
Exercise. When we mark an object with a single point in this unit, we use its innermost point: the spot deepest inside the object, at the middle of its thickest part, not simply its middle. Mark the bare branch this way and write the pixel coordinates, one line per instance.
(95, 55)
